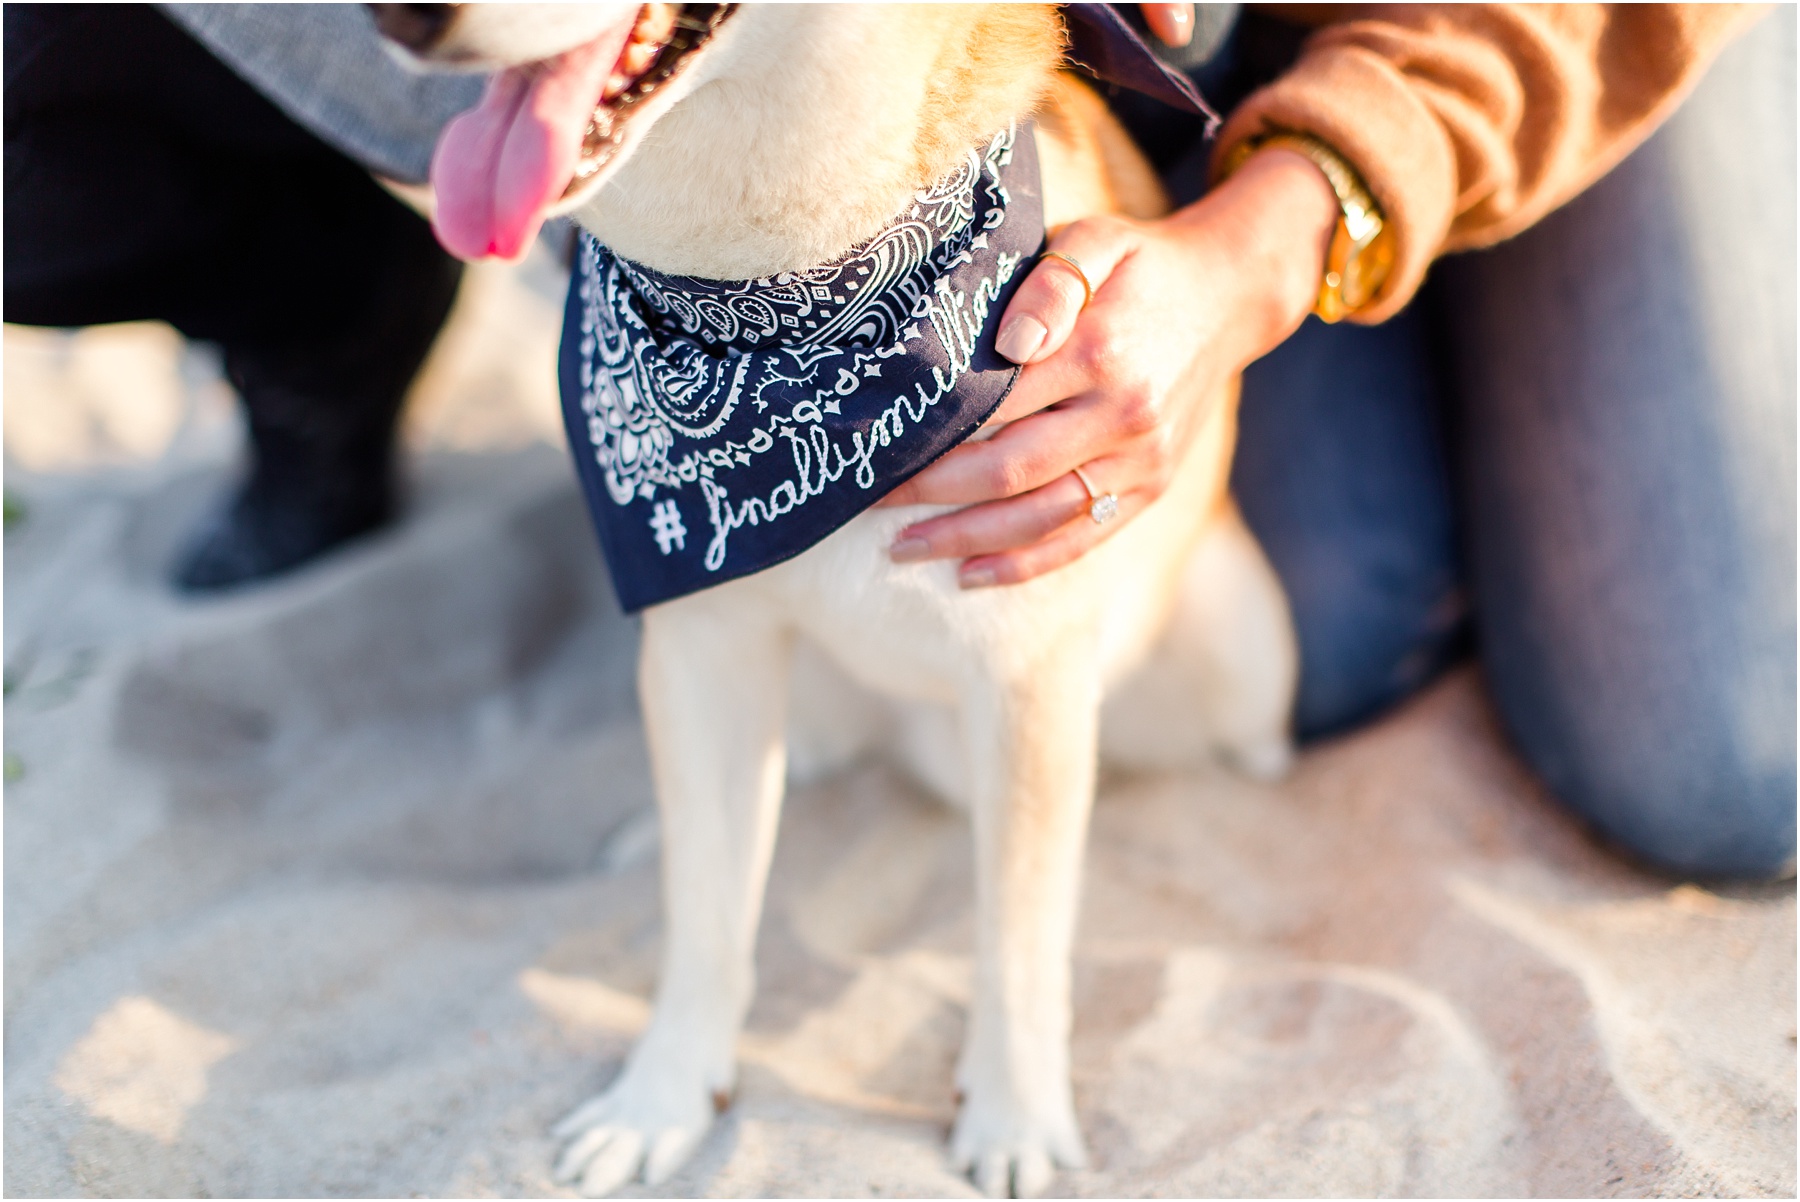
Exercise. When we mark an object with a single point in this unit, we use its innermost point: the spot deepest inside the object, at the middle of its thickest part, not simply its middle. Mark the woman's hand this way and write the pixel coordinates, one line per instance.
(1118, 388)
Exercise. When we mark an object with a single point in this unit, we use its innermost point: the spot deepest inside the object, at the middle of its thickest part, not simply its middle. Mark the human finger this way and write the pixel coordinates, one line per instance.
(1061, 378)
(1039, 387)
(1025, 455)
(1072, 269)
(1064, 545)
(995, 526)
(1173, 23)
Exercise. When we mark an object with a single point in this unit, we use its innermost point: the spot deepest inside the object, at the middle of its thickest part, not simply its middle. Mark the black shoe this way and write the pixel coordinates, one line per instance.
(321, 404)
(267, 529)
(322, 472)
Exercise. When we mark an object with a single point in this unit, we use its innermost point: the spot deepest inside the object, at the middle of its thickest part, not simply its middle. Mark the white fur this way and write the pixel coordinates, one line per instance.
(485, 36)
(781, 156)
(788, 147)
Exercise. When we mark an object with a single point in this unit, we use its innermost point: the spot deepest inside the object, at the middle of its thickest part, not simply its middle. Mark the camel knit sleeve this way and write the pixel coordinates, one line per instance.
(1470, 122)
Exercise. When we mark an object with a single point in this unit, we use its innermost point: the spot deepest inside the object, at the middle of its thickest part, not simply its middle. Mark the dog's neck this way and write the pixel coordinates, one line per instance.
(812, 127)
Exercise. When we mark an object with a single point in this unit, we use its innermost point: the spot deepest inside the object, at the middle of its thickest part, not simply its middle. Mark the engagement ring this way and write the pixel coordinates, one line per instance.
(1103, 507)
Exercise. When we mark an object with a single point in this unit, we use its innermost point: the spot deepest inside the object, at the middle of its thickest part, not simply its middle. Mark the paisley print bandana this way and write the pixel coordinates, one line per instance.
(721, 427)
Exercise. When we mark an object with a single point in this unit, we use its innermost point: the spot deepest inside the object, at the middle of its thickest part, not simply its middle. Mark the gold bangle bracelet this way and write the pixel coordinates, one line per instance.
(1362, 247)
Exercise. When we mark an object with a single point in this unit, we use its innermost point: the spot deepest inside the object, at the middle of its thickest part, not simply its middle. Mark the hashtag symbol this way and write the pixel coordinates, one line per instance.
(665, 524)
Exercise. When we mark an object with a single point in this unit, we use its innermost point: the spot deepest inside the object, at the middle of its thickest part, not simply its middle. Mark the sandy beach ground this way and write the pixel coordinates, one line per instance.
(346, 885)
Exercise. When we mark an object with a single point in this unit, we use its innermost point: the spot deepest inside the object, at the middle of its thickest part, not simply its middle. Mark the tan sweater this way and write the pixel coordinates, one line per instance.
(1470, 122)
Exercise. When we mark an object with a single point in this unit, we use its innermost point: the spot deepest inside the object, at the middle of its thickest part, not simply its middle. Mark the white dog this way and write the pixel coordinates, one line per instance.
(698, 141)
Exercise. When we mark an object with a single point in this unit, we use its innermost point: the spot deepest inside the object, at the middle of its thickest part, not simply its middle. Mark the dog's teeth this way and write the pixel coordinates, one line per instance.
(655, 23)
(643, 67)
(638, 56)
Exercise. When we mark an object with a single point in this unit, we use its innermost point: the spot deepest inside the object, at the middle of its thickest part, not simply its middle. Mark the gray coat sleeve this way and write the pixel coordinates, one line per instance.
(324, 66)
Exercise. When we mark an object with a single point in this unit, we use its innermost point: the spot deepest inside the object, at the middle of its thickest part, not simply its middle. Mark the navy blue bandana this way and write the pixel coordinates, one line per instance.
(721, 427)
(1103, 42)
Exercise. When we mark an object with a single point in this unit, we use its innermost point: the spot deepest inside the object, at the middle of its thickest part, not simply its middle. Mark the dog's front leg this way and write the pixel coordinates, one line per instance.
(1032, 741)
(712, 678)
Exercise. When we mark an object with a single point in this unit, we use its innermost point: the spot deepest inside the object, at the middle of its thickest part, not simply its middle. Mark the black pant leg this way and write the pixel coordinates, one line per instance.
(144, 180)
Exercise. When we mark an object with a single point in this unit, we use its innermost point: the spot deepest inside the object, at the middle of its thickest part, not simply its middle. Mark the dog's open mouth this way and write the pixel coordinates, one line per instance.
(663, 39)
(544, 132)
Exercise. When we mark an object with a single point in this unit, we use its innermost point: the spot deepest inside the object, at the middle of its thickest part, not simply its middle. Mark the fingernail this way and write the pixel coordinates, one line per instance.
(909, 550)
(1183, 18)
(977, 578)
(1020, 338)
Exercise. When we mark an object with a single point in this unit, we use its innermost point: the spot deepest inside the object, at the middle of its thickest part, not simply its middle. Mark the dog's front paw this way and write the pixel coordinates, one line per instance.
(645, 1127)
(1010, 1152)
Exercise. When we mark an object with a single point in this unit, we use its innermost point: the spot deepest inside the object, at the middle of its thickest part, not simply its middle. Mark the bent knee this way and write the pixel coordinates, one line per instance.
(1695, 811)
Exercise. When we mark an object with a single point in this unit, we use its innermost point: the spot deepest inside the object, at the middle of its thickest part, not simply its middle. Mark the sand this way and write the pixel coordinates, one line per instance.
(346, 885)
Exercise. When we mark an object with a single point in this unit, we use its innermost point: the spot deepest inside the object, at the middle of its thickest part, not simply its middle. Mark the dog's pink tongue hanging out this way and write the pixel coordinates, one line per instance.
(502, 164)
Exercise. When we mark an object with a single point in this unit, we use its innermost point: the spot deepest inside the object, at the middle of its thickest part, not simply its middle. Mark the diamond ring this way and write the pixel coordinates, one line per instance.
(1103, 507)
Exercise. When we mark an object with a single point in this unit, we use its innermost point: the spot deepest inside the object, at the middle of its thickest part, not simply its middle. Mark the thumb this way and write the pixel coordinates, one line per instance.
(1043, 312)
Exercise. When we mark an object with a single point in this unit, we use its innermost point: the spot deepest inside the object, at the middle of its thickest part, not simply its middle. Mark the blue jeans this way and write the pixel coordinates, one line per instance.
(1577, 448)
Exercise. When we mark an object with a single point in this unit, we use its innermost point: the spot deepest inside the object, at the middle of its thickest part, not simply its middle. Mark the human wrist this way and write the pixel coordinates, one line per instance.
(1269, 227)
(1299, 214)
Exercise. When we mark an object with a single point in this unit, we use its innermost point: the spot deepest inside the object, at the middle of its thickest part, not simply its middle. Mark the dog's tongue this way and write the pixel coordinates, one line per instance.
(500, 165)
